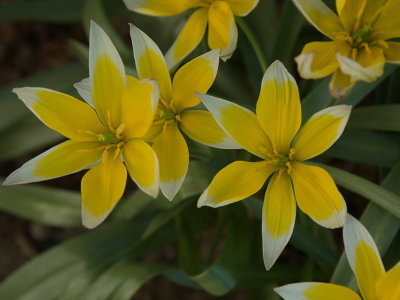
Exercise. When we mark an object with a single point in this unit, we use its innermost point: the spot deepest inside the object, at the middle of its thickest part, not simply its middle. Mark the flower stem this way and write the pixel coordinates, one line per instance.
(253, 42)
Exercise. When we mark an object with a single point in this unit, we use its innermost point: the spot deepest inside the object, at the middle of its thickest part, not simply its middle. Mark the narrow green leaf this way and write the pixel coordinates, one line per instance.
(49, 206)
(377, 117)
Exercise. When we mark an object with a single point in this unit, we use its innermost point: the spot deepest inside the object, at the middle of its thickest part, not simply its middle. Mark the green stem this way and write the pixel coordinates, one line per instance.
(253, 42)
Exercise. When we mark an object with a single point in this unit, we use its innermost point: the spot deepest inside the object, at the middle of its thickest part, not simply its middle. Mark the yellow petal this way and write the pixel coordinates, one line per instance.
(317, 195)
(372, 10)
(316, 291)
(154, 131)
(107, 76)
(235, 182)
(363, 257)
(189, 37)
(388, 285)
(241, 125)
(201, 127)
(195, 76)
(387, 25)
(320, 16)
(392, 53)
(350, 13)
(242, 7)
(318, 59)
(62, 113)
(161, 7)
(173, 157)
(150, 62)
(222, 30)
(340, 85)
(321, 131)
(102, 187)
(139, 105)
(279, 214)
(368, 67)
(65, 158)
(278, 107)
(142, 164)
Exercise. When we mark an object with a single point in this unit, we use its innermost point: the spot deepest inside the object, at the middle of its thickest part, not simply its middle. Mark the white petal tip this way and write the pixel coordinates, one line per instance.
(171, 188)
(90, 222)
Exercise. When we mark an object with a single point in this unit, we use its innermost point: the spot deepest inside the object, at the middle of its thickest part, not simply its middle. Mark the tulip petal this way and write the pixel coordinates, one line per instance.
(107, 76)
(388, 286)
(235, 182)
(240, 124)
(242, 7)
(189, 37)
(161, 7)
(201, 127)
(150, 62)
(278, 107)
(102, 187)
(316, 291)
(392, 53)
(387, 25)
(279, 214)
(350, 12)
(139, 105)
(321, 131)
(67, 115)
(173, 158)
(340, 85)
(84, 90)
(63, 159)
(222, 30)
(363, 256)
(317, 195)
(320, 16)
(142, 164)
(318, 59)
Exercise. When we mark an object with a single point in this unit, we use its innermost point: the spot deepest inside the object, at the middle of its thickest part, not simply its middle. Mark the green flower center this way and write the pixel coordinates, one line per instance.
(362, 35)
(108, 138)
(167, 114)
(280, 161)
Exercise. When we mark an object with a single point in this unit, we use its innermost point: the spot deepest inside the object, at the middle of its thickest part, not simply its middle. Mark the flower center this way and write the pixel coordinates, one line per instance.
(280, 161)
(108, 138)
(167, 114)
(362, 35)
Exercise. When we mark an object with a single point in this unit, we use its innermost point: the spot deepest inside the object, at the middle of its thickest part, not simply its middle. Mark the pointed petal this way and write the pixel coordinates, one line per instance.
(189, 37)
(62, 113)
(388, 285)
(102, 187)
(107, 76)
(160, 7)
(235, 182)
(279, 214)
(139, 105)
(142, 164)
(242, 7)
(240, 124)
(372, 10)
(317, 195)
(315, 291)
(84, 90)
(387, 25)
(350, 13)
(340, 85)
(195, 76)
(150, 62)
(222, 30)
(320, 16)
(278, 107)
(363, 256)
(173, 157)
(318, 59)
(392, 53)
(201, 127)
(65, 158)
(321, 131)
(368, 67)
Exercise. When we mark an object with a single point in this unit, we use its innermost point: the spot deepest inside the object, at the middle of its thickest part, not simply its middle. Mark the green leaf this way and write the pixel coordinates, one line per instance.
(363, 187)
(49, 206)
(377, 117)
(381, 224)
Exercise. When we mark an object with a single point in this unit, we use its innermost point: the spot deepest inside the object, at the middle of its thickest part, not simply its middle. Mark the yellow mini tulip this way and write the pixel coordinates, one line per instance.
(104, 134)
(271, 135)
(359, 46)
(219, 15)
(374, 283)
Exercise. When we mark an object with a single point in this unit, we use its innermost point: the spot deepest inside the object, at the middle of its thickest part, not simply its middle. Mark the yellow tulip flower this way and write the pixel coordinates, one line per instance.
(172, 114)
(359, 46)
(104, 135)
(219, 15)
(270, 134)
(373, 282)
